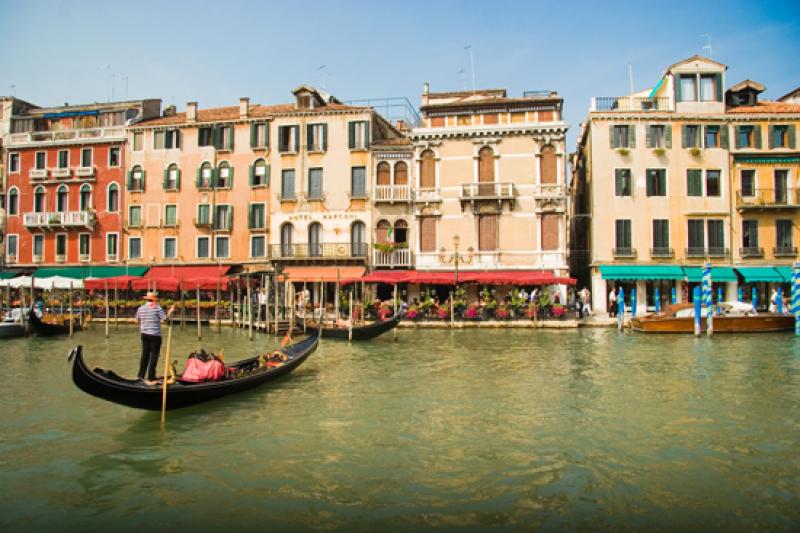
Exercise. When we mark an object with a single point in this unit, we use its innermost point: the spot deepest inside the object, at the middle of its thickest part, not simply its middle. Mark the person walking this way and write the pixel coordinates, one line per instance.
(149, 317)
(586, 296)
(612, 303)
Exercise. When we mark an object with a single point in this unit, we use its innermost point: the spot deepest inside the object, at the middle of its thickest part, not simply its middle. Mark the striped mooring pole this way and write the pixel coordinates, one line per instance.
(795, 305)
(708, 299)
(779, 303)
(698, 310)
(739, 295)
(620, 308)
(658, 300)
(674, 295)
(633, 302)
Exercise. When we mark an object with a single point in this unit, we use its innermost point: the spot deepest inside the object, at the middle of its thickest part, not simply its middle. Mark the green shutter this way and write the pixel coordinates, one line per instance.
(684, 137)
(737, 132)
(771, 136)
(296, 138)
(757, 136)
(144, 179)
(723, 136)
(129, 180)
(266, 134)
(178, 179)
(250, 223)
(648, 135)
(230, 137)
(718, 86)
(166, 179)
(367, 138)
(324, 137)
(632, 136)
(611, 137)
(198, 180)
(253, 134)
(213, 178)
(351, 135)
(791, 135)
(266, 175)
(252, 174)
(310, 136)
(668, 135)
(677, 81)
(694, 182)
(217, 137)
(230, 177)
(230, 217)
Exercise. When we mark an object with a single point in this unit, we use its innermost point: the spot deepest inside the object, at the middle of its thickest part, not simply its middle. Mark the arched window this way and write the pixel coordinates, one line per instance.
(548, 166)
(427, 170)
(259, 173)
(400, 173)
(62, 199)
(384, 173)
(382, 232)
(13, 201)
(358, 245)
(486, 171)
(315, 239)
(224, 175)
(172, 178)
(85, 197)
(205, 175)
(136, 179)
(401, 231)
(38, 200)
(112, 202)
(286, 240)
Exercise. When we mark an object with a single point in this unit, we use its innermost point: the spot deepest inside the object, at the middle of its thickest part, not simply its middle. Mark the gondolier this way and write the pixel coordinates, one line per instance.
(149, 317)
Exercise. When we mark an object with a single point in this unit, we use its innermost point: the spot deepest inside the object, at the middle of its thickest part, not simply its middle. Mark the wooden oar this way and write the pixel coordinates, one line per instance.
(166, 372)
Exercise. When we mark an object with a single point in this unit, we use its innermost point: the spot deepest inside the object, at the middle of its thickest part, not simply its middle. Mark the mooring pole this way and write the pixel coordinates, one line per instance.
(107, 312)
(70, 310)
(199, 327)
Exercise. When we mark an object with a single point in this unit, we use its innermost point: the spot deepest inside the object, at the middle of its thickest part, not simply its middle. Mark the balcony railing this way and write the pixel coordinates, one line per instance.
(61, 172)
(395, 258)
(630, 103)
(785, 251)
(63, 219)
(661, 252)
(768, 198)
(427, 194)
(491, 191)
(328, 250)
(713, 251)
(549, 191)
(751, 251)
(392, 193)
(38, 174)
(624, 252)
(89, 134)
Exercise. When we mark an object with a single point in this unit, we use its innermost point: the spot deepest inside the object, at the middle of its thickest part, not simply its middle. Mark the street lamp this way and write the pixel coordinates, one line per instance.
(455, 257)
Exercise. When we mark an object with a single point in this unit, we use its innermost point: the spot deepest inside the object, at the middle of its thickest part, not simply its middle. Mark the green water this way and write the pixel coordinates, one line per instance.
(475, 430)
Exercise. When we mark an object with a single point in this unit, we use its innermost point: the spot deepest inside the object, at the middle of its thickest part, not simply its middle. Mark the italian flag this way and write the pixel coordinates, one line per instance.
(390, 235)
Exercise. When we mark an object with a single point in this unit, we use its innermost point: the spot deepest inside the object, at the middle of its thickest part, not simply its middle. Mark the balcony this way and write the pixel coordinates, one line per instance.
(751, 251)
(427, 195)
(61, 258)
(712, 251)
(491, 192)
(392, 259)
(202, 222)
(67, 136)
(84, 172)
(784, 251)
(328, 250)
(624, 253)
(63, 219)
(84, 258)
(392, 193)
(630, 103)
(62, 173)
(767, 199)
(550, 198)
(38, 174)
(662, 252)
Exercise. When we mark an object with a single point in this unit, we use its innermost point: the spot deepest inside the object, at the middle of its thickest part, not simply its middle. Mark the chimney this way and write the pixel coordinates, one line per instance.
(169, 111)
(426, 88)
(191, 112)
(244, 107)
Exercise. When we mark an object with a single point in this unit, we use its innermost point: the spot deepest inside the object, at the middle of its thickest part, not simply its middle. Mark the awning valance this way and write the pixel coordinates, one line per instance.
(89, 271)
(764, 273)
(717, 274)
(323, 273)
(785, 272)
(515, 277)
(8, 275)
(381, 276)
(118, 282)
(172, 278)
(768, 160)
(629, 272)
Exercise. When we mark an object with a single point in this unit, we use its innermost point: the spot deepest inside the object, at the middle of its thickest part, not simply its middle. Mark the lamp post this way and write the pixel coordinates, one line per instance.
(455, 257)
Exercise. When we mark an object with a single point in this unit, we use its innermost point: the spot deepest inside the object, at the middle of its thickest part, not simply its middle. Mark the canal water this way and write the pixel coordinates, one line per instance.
(474, 430)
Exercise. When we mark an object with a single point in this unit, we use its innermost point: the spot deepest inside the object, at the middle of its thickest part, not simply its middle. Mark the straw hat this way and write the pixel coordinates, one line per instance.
(151, 296)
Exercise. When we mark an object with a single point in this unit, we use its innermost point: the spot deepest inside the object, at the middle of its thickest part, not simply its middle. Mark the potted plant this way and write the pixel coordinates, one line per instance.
(659, 152)
(501, 313)
(559, 311)
(623, 152)
(695, 152)
(472, 313)
(412, 313)
(442, 313)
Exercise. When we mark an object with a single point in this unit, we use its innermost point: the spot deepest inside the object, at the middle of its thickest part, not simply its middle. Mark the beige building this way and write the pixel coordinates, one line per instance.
(489, 184)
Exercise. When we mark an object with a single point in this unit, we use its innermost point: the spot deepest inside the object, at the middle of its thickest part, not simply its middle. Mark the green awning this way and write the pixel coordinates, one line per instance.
(8, 275)
(768, 274)
(641, 272)
(767, 160)
(717, 274)
(785, 272)
(90, 271)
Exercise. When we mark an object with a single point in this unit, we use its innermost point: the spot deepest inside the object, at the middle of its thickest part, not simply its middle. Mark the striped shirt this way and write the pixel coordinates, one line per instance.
(149, 318)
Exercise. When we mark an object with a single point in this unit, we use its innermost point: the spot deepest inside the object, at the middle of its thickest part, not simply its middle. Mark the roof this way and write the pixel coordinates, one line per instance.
(497, 93)
(747, 84)
(491, 102)
(696, 58)
(219, 114)
(790, 94)
(766, 106)
(397, 141)
(99, 106)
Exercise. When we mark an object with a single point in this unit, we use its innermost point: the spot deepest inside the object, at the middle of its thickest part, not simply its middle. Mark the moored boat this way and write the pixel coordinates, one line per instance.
(49, 328)
(735, 318)
(363, 332)
(246, 374)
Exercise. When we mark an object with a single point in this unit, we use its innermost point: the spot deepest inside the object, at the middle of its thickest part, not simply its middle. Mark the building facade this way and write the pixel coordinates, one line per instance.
(64, 195)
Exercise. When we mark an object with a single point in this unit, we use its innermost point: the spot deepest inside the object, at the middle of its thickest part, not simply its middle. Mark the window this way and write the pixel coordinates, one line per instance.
(13, 162)
(779, 137)
(487, 233)
(781, 180)
(86, 157)
(203, 247)
(358, 237)
(38, 200)
(317, 137)
(257, 218)
(170, 215)
(287, 231)
(783, 241)
(112, 202)
(172, 178)
(13, 201)
(135, 216)
(223, 217)
(136, 179)
(716, 237)
(748, 178)
(358, 135)
(694, 182)
(620, 137)
(749, 235)
(258, 246)
(748, 137)
(712, 137)
(660, 236)
(134, 247)
(289, 138)
(713, 183)
(85, 199)
(11, 245)
(205, 176)
(203, 215)
(223, 137)
(622, 182)
(548, 166)
(84, 240)
(427, 234)
(61, 246)
(400, 173)
(659, 136)
(40, 162)
(315, 239)
(222, 247)
(38, 245)
(708, 87)
(427, 170)
(656, 182)
(138, 141)
(170, 247)
(62, 199)
(358, 182)
(166, 139)
(112, 240)
(259, 173)
(259, 135)
(224, 176)
(63, 159)
(687, 90)
(622, 240)
(287, 184)
(696, 237)
(205, 136)
(691, 136)
(113, 156)
(315, 184)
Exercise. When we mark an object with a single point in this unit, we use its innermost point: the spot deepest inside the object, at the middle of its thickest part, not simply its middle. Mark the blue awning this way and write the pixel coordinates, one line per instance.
(717, 274)
(626, 272)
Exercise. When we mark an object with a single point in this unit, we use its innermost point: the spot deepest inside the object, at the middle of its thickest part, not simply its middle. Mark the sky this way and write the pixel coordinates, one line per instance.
(215, 52)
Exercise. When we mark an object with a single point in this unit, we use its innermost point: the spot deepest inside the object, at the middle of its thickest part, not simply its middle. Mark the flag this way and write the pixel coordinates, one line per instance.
(390, 235)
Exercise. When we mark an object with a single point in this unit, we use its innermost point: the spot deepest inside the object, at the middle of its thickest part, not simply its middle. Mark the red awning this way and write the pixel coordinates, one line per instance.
(168, 278)
(382, 276)
(496, 277)
(326, 273)
(120, 282)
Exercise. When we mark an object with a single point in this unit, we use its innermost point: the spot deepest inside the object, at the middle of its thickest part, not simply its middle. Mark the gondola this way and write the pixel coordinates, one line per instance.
(49, 329)
(11, 329)
(134, 393)
(361, 333)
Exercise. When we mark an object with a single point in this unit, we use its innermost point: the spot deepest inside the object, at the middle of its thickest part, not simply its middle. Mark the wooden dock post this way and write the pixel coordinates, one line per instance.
(249, 307)
(394, 329)
(107, 311)
(350, 318)
(70, 310)
(277, 314)
(116, 305)
(216, 305)
(183, 305)
(199, 326)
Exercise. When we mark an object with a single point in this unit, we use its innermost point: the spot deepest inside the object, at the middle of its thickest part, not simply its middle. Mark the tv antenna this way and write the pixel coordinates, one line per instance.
(471, 64)
(463, 79)
(708, 43)
(325, 73)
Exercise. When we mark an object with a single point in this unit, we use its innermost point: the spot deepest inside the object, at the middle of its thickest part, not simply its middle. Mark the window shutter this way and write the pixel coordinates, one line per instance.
(250, 217)
(198, 180)
(351, 135)
(792, 138)
(129, 180)
(230, 217)
(737, 131)
(253, 135)
(144, 179)
(723, 136)
(266, 175)
(757, 136)
(252, 175)
(676, 80)
(684, 136)
(668, 135)
(718, 86)
(310, 136)
(230, 177)
(166, 179)
(266, 134)
(648, 135)
(230, 138)
(324, 137)
(178, 179)
(296, 138)
(213, 178)
(632, 136)
(771, 136)
(217, 137)
(611, 137)
(367, 138)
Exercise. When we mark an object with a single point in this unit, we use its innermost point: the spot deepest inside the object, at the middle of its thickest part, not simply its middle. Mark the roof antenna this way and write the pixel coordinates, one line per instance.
(324, 70)
(708, 43)
(471, 64)
(630, 77)
(463, 79)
